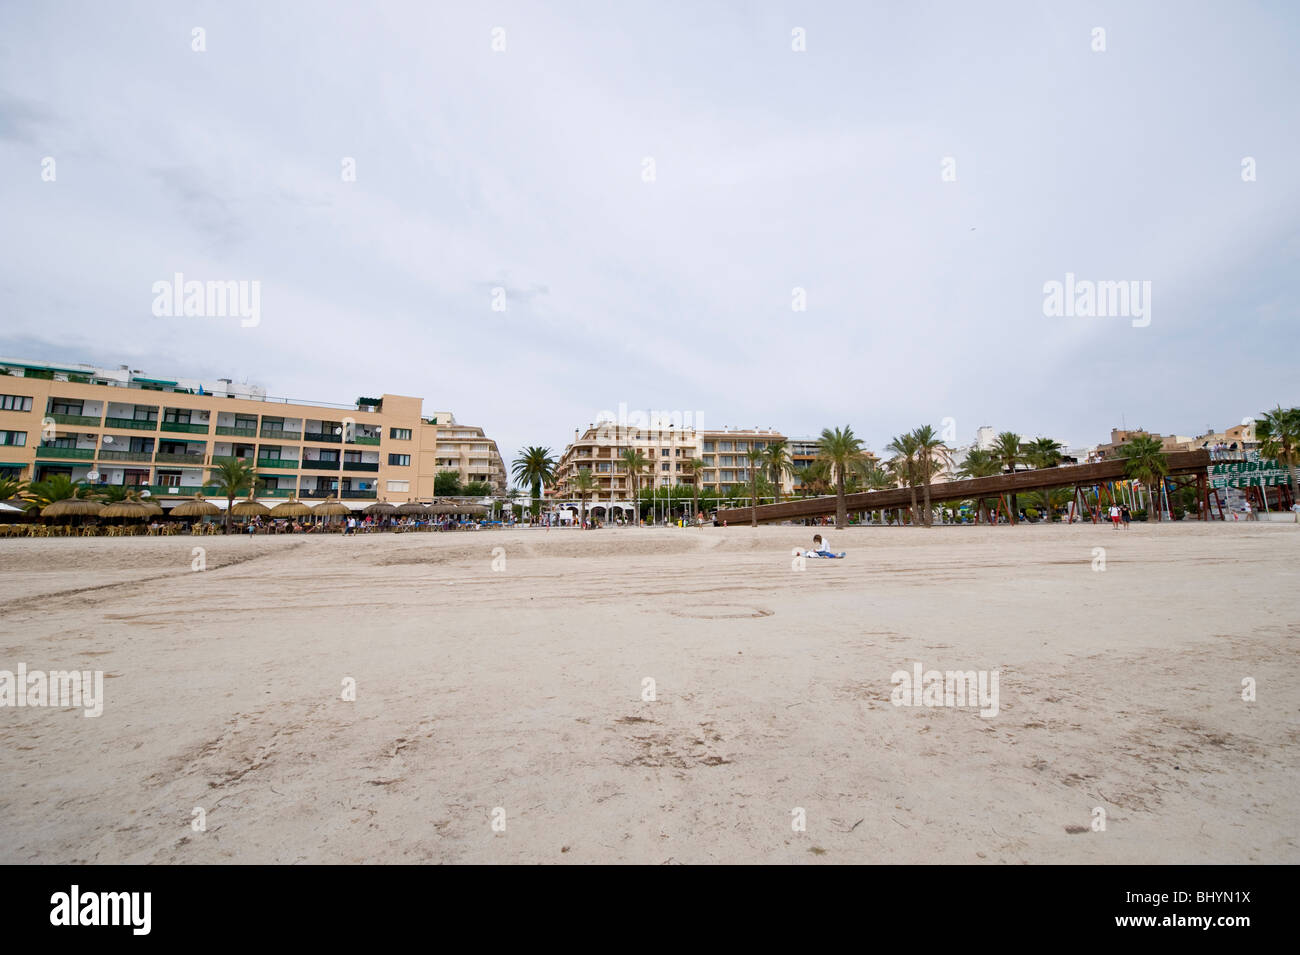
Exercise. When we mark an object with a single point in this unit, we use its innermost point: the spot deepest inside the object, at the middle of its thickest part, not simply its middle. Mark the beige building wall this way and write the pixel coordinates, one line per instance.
(146, 433)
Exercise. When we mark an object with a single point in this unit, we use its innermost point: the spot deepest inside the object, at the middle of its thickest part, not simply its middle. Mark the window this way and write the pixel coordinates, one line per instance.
(61, 406)
(17, 439)
(245, 422)
(399, 486)
(742, 445)
(400, 434)
(145, 414)
(269, 453)
(709, 461)
(177, 415)
(708, 445)
(15, 403)
(401, 460)
(724, 446)
(666, 466)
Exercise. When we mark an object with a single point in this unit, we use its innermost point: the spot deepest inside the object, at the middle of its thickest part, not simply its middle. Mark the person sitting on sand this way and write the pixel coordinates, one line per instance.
(821, 547)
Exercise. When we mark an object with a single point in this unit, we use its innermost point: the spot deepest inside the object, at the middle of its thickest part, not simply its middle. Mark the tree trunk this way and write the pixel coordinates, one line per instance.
(230, 502)
(915, 509)
(929, 513)
(841, 507)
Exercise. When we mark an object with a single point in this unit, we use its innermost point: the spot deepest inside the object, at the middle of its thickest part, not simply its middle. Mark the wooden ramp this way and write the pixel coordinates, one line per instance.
(1181, 463)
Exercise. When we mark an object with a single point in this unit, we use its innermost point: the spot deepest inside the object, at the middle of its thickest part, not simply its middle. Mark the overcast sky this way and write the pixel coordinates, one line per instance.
(774, 169)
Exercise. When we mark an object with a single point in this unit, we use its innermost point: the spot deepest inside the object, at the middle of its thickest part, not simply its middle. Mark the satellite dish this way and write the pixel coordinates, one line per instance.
(146, 493)
(108, 439)
(92, 476)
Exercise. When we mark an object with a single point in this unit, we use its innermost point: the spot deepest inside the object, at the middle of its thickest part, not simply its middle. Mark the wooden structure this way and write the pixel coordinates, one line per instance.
(1186, 469)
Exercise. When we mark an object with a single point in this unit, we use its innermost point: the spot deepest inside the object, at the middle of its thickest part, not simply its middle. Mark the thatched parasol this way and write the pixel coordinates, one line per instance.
(291, 508)
(72, 507)
(444, 507)
(412, 507)
(471, 509)
(196, 508)
(250, 508)
(130, 509)
(381, 509)
(332, 508)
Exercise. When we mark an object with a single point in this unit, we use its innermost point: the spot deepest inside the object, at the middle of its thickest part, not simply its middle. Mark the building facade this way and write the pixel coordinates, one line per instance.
(117, 426)
(723, 456)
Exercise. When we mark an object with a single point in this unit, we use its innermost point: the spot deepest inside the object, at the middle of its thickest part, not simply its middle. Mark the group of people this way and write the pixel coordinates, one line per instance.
(1119, 514)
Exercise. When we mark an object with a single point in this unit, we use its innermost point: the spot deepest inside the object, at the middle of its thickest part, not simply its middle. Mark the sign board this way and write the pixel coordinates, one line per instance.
(1255, 473)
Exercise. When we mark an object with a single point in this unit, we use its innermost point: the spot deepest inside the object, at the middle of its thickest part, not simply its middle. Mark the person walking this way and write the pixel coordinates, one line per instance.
(1114, 516)
(1125, 516)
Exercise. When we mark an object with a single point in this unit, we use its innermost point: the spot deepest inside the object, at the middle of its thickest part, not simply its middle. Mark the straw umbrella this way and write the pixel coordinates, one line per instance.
(412, 507)
(291, 508)
(381, 509)
(196, 508)
(332, 508)
(72, 507)
(249, 508)
(134, 509)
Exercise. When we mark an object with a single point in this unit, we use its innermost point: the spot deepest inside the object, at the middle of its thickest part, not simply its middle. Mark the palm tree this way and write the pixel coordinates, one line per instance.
(871, 476)
(841, 448)
(583, 484)
(1278, 432)
(775, 459)
(815, 479)
(1044, 453)
(11, 490)
(695, 468)
(233, 477)
(1010, 452)
(636, 464)
(980, 463)
(930, 450)
(904, 465)
(534, 467)
(58, 487)
(1145, 461)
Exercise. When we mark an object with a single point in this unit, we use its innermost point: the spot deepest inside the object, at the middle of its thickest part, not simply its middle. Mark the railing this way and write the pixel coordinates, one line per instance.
(84, 454)
(185, 426)
(317, 436)
(289, 464)
(105, 455)
(275, 492)
(82, 419)
(172, 457)
(237, 432)
(317, 492)
(364, 440)
(360, 465)
(361, 495)
(224, 458)
(311, 465)
(132, 423)
(281, 435)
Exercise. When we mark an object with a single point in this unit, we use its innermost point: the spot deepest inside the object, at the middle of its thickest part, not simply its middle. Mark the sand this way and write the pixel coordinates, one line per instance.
(515, 695)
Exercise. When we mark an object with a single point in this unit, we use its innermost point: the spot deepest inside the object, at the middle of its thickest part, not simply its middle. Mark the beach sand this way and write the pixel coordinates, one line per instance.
(520, 689)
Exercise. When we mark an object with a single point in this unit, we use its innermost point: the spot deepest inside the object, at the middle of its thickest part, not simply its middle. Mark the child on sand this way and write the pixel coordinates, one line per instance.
(821, 548)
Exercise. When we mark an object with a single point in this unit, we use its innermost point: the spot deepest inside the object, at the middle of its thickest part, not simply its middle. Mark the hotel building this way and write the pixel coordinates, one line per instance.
(724, 457)
(116, 426)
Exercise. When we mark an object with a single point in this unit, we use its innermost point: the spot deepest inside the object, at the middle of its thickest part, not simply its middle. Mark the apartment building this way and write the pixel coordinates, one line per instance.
(724, 457)
(468, 451)
(118, 426)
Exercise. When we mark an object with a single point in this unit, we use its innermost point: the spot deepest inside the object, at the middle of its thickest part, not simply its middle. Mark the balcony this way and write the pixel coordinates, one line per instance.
(316, 436)
(83, 454)
(223, 458)
(275, 492)
(171, 457)
(132, 423)
(289, 464)
(363, 440)
(237, 432)
(282, 435)
(317, 493)
(105, 455)
(185, 427)
(85, 420)
(360, 465)
(361, 495)
(310, 465)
